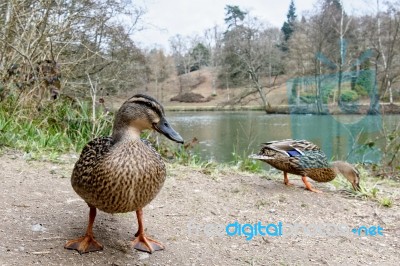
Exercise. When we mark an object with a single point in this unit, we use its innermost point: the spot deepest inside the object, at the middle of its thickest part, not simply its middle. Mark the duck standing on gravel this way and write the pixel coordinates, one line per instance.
(123, 173)
(303, 158)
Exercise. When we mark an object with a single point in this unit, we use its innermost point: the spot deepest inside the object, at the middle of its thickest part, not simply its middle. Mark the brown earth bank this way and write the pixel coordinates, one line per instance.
(40, 212)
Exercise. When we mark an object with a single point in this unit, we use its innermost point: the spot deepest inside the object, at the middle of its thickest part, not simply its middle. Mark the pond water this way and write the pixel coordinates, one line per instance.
(223, 133)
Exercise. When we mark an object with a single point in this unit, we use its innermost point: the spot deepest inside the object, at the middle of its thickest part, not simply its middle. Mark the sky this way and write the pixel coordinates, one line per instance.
(167, 18)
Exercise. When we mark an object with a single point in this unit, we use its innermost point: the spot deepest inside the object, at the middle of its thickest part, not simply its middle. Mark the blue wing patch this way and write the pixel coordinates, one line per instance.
(294, 153)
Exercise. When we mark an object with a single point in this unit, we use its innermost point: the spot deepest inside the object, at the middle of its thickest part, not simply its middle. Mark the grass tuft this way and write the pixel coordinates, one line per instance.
(386, 202)
(54, 128)
(245, 164)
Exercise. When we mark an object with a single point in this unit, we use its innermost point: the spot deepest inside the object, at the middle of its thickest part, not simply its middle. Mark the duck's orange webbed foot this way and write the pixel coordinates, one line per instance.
(146, 244)
(84, 244)
(142, 242)
(308, 185)
(286, 180)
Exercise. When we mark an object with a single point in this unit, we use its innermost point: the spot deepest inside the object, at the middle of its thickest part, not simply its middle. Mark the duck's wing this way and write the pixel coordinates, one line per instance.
(304, 145)
(91, 154)
(284, 148)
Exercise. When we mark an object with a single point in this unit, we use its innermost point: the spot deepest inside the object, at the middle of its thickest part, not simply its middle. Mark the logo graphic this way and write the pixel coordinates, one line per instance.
(344, 100)
(279, 229)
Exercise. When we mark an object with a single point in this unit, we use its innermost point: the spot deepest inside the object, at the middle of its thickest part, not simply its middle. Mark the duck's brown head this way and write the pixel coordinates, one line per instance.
(142, 112)
(349, 172)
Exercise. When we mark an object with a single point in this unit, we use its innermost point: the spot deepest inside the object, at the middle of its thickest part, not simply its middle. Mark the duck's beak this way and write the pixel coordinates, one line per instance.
(356, 186)
(164, 128)
(356, 181)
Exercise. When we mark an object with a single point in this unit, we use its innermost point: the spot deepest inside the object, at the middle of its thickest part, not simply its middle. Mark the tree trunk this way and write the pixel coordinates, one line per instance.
(340, 74)
(263, 98)
(318, 98)
(260, 91)
(6, 32)
(389, 85)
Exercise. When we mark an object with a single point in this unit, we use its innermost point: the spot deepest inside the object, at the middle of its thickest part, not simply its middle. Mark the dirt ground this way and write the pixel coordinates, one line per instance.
(40, 212)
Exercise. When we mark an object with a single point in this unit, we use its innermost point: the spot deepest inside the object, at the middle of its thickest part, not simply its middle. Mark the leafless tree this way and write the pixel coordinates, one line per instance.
(83, 37)
(181, 48)
(388, 43)
(254, 46)
(161, 67)
(213, 38)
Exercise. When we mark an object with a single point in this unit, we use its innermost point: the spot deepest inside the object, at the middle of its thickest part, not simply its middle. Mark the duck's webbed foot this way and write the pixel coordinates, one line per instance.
(146, 244)
(84, 244)
(142, 242)
(308, 185)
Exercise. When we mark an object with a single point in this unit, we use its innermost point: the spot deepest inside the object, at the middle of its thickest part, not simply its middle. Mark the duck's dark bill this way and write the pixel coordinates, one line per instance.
(164, 128)
(356, 186)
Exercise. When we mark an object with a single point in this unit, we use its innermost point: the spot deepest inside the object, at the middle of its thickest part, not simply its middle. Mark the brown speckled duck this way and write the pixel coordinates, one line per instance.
(303, 158)
(123, 173)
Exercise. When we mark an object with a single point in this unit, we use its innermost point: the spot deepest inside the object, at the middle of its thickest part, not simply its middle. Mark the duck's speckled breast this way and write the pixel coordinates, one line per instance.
(126, 178)
(321, 174)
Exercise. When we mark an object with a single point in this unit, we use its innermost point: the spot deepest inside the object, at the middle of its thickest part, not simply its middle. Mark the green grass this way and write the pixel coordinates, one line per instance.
(57, 127)
(386, 202)
(245, 164)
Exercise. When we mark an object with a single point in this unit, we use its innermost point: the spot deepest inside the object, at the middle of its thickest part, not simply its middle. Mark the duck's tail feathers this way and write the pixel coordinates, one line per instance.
(260, 157)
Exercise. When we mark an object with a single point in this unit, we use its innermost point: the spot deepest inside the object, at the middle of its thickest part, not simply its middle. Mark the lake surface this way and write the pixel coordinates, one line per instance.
(223, 133)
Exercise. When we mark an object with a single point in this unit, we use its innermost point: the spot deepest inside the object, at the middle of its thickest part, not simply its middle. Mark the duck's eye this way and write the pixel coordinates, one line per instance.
(166, 124)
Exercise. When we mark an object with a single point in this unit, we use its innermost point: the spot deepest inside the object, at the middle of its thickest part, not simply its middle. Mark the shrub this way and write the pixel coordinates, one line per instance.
(365, 82)
(307, 98)
(349, 96)
(360, 90)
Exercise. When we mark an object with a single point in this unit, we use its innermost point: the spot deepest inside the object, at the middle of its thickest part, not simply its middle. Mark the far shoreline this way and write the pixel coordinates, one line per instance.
(382, 108)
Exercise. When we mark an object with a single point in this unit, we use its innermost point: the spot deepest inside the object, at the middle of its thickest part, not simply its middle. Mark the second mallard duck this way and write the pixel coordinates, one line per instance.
(303, 158)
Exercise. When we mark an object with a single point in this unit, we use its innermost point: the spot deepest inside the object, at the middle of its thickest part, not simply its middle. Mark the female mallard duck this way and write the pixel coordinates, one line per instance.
(303, 158)
(123, 173)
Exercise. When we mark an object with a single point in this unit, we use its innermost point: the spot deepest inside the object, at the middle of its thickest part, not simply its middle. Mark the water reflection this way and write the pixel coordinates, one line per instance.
(340, 137)
(222, 133)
